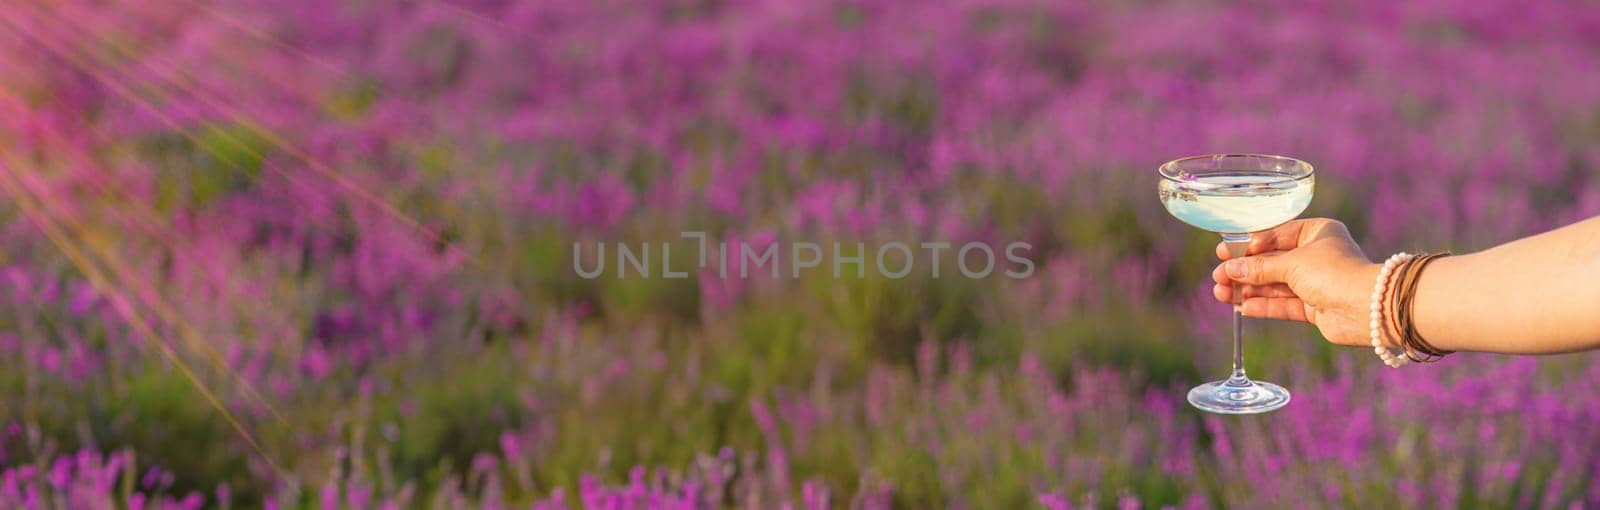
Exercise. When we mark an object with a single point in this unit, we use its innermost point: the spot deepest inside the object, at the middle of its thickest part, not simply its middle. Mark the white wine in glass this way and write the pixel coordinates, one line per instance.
(1235, 195)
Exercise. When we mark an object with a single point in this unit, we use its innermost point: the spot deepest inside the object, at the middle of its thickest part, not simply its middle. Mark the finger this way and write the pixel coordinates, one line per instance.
(1219, 275)
(1262, 242)
(1259, 242)
(1283, 238)
(1280, 308)
(1276, 290)
(1264, 269)
(1303, 231)
(1224, 292)
(1287, 236)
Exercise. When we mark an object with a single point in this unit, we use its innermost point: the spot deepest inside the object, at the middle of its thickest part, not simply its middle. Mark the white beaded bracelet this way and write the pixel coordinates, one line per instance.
(1388, 357)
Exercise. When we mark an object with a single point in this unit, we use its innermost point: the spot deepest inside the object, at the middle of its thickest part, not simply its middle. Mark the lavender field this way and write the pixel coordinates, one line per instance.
(320, 254)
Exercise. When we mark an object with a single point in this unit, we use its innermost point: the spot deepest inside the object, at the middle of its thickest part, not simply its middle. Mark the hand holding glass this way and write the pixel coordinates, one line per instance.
(1234, 195)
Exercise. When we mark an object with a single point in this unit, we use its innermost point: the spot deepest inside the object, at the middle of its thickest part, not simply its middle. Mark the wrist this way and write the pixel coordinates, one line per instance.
(1359, 285)
(1426, 301)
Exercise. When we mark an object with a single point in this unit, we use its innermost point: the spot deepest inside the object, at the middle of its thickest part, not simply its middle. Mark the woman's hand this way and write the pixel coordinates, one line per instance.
(1535, 295)
(1306, 270)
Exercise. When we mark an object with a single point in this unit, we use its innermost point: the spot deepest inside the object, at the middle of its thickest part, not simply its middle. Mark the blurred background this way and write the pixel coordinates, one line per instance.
(317, 254)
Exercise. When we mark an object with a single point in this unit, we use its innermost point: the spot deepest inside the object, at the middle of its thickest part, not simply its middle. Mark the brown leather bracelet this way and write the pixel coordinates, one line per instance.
(1405, 299)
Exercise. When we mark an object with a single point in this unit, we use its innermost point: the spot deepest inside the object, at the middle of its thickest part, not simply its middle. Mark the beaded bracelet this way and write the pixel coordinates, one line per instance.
(1376, 326)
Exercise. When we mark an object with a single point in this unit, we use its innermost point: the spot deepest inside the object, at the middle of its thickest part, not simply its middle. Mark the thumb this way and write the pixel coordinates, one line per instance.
(1264, 269)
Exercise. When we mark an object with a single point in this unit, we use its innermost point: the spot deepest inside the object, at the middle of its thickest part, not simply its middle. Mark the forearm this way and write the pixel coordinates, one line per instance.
(1536, 295)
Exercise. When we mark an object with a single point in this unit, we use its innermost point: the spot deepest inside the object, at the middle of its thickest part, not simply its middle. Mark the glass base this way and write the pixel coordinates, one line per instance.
(1242, 396)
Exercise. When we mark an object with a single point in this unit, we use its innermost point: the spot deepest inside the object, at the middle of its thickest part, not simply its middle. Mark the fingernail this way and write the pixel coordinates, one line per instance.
(1238, 269)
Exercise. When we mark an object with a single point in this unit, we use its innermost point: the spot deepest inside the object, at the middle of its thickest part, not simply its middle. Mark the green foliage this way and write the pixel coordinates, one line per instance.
(207, 163)
(352, 101)
(884, 319)
(155, 410)
(636, 296)
(916, 476)
(1155, 345)
(772, 347)
(460, 413)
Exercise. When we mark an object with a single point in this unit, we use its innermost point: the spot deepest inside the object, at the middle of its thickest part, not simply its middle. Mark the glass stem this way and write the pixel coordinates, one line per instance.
(1237, 245)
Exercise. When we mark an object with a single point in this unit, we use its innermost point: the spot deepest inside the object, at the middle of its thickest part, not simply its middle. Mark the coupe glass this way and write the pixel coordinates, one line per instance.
(1235, 195)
